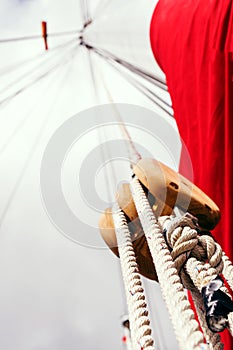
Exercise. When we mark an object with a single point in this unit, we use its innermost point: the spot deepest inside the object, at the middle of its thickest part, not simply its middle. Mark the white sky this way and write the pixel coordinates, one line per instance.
(56, 294)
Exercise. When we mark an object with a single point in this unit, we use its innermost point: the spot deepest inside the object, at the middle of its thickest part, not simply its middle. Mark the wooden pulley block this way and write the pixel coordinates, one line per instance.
(173, 189)
(165, 189)
(143, 256)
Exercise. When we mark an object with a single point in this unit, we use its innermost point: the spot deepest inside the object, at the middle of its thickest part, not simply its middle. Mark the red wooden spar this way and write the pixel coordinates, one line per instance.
(44, 34)
(193, 43)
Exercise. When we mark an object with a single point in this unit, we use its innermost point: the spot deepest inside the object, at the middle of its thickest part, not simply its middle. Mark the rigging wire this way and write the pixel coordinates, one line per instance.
(142, 88)
(7, 99)
(82, 8)
(33, 69)
(103, 150)
(122, 126)
(85, 13)
(146, 91)
(88, 18)
(143, 78)
(39, 36)
(36, 142)
(105, 155)
(27, 116)
(22, 122)
(18, 65)
(132, 67)
(133, 153)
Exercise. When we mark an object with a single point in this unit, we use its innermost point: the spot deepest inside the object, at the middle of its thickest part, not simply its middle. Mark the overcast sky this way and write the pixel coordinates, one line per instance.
(56, 293)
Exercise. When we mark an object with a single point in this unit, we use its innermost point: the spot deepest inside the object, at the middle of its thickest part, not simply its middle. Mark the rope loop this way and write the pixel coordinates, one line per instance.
(199, 262)
(185, 243)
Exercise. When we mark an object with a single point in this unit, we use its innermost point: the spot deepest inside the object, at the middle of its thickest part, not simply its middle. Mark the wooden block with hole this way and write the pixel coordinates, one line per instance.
(173, 189)
(164, 188)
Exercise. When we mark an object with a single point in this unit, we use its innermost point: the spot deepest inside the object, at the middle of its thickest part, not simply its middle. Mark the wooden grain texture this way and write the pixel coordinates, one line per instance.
(172, 188)
(164, 188)
(143, 256)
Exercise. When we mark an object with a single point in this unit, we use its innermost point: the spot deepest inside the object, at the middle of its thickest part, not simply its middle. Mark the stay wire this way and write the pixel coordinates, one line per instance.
(36, 67)
(133, 154)
(147, 92)
(9, 98)
(125, 133)
(34, 146)
(42, 55)
(139, 71)
(38, 36)
(81, 4)
(103, 150)
(103, 155)
(26, 118)
(140, 87)
(85, 12)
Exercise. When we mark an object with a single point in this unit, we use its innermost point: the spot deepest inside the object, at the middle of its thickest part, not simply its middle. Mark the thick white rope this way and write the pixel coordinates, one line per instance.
(228, 275)
(182, 316)
(227, 270)
(138, 314)
(212, 339)
(182, 240)
(190, 252)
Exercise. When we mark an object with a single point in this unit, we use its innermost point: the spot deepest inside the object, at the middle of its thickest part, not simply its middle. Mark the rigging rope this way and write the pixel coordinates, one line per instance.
(151, 95)
(133, 154)
(186, 329)
(177, 249)
(32, 37)
(7, 99)
(35, 144)
(195, 273)
(175, 246)
(137, 306)
(227, 270)
(137, 313)
(28, 114)
(36, 67)
(18, 65)
(85, 13)
(105, 155)
(132, 67)
(190, 252)
(104, 150)
(212, 339)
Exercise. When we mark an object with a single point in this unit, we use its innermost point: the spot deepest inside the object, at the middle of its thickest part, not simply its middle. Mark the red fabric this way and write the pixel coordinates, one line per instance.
(193, 43)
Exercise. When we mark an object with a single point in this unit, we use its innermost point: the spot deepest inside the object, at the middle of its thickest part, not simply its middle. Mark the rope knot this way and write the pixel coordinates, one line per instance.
(185, 242)
(217, 304)
(181, 237)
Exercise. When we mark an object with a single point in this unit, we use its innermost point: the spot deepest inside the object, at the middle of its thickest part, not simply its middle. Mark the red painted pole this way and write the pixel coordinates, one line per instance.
(44, 34)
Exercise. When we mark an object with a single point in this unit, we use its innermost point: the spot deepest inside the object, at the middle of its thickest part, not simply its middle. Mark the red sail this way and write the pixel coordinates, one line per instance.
(193, 43)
